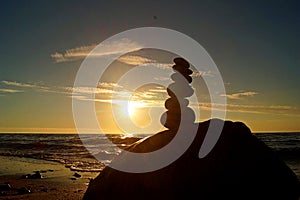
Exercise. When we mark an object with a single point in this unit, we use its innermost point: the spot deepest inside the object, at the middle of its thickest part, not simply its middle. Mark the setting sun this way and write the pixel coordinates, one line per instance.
(129, 108)
(132, 107)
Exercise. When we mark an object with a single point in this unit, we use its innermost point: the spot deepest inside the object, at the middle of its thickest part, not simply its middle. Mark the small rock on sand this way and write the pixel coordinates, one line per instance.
(77, 175)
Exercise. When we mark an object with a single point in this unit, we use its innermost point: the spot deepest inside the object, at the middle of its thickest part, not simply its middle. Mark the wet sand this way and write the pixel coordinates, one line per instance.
(18, 180)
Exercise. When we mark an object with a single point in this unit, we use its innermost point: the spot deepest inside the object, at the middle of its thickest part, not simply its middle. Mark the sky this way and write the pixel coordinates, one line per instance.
(254, 44)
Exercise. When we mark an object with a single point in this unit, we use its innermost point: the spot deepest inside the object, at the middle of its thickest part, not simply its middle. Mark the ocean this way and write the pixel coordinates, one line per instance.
(69, 150)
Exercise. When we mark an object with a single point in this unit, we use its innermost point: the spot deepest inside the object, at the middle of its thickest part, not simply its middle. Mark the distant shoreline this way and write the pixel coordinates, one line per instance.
(45, 133)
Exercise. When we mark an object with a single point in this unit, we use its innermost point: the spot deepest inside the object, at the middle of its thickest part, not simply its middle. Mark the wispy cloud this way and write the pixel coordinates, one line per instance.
(108, 92)
(25, 85)
(18, 84)
(158, 89)
(112, 93)
(151, 95)
(104, 89)
(251, 109)
(240, 95)
(137, 60)
(73, 54)
(202, 73)
(4, 90)
(78, 53)
(109, 85)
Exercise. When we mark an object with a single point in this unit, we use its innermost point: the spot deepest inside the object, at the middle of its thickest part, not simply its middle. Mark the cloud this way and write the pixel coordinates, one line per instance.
(202, 73)
(112, 93)
(136, 60)
(35, 87)
(158, 90)
(103, 93)
(78, 53)
(14, 83)
(251, 109)
(74, 54)
(104, 88)
(162, 78)
(109, 92)
(89, 90)
(4, 90)
(25, 85)
(109, 85)
(240, 95)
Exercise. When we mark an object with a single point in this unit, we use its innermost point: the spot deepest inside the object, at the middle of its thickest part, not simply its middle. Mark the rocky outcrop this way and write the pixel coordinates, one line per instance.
(239, 167)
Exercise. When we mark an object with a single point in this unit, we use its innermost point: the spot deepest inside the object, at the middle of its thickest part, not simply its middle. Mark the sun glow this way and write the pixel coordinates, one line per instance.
(133, 106)
(131, 111)
(129, 108)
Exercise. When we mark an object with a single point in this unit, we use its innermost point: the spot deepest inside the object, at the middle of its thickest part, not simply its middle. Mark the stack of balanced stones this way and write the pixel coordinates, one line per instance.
(179, 114)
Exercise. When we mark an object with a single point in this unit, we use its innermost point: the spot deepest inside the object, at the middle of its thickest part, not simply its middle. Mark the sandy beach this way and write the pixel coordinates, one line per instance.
(57, 182)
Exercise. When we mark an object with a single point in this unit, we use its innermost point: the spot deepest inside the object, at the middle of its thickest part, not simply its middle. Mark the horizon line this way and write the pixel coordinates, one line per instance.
(27, 132)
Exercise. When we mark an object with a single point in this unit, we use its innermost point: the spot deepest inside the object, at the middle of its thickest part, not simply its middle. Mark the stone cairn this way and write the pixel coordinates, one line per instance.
(179, 90)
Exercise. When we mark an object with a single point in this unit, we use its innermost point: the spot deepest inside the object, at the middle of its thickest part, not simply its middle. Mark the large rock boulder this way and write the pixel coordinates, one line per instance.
(239, 167)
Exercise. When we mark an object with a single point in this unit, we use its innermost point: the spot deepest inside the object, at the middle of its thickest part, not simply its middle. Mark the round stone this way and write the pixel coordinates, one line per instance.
(182, 70)
(180, 90)
(173, 120)
(177, 77)
(181, 61)
(170, 121)
(174, 104)
(187, 115)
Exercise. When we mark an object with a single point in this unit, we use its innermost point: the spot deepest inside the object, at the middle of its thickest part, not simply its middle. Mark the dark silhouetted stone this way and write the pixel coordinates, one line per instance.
(182, 70)
(182, 62)
(174, 104)
(170, 121)
(180, 92)
(5, 187)
(36, 175)
(76, 175)
(24, 190)
(177, 77)
(239, 167)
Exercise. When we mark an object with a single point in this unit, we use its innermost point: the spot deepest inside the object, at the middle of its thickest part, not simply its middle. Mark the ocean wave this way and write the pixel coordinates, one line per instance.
(288, 153)
(69, 150)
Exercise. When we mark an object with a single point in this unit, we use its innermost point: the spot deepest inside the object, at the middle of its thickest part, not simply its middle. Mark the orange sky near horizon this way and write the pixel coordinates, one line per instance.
(244, 106)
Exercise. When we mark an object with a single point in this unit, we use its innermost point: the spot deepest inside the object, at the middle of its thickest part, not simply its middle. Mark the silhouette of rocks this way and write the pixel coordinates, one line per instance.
(178, 111)
(36, 175)
(76, 175)
(182, 70)
(182, 62)
(174, 104)
(240, 166)
(5, 187)
(25, 190)
(172, 119)
(177, 77)
(182, 91)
